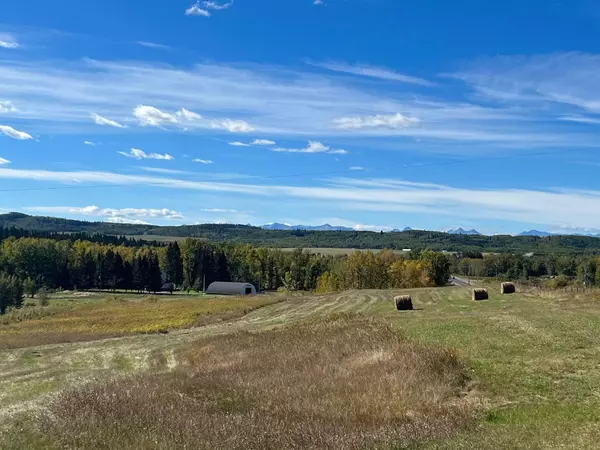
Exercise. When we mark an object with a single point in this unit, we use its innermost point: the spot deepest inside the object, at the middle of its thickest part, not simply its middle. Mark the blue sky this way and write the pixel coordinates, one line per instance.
(374, 114)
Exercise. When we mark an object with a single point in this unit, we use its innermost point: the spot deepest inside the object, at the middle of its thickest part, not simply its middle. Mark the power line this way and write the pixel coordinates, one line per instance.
(316, 174)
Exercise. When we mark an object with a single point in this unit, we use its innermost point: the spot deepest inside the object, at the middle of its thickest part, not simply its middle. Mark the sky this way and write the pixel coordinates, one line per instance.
(372, 114)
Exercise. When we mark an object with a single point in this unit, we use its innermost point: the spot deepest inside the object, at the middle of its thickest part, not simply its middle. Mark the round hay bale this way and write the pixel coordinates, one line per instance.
(480, 294)
(508, 288)
(403, 303)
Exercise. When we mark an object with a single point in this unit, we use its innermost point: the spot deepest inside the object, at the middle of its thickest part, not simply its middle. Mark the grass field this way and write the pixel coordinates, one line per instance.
(335, 371)
(86, 318)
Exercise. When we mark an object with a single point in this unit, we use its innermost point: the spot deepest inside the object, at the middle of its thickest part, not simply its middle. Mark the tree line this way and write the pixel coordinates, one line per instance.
(35, 263)
(581, 268)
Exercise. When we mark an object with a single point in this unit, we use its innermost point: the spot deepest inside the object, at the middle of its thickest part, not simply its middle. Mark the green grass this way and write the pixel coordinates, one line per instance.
(533, 358)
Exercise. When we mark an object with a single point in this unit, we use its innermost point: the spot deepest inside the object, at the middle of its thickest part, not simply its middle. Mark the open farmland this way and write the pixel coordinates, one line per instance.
(513, 372)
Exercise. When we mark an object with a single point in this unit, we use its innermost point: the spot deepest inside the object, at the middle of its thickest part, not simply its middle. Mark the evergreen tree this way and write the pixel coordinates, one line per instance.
(154, 274)
(173, 264)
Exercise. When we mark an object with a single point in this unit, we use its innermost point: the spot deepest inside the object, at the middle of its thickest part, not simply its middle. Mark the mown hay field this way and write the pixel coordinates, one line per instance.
(78, 319)
(335, 371)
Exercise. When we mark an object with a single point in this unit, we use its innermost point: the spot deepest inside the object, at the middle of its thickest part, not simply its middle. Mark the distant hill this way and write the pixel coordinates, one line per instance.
(326, 227)
(295, 238)
(464, 232)
(54, 224)
(535, 233)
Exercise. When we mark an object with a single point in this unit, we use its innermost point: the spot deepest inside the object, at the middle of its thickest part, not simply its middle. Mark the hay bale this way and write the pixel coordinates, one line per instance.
(403, 303)
(480, 294)
(508, 288)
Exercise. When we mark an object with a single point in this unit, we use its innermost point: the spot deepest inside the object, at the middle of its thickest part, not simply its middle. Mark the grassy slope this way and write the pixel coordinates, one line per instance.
(535, 359)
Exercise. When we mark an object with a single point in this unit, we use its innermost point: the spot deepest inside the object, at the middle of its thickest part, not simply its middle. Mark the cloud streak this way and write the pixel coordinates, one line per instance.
(373, 72)
(548, 207)
(103, 121)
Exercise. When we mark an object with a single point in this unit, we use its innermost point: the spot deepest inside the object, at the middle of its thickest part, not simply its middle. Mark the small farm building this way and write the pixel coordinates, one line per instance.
(226, 288)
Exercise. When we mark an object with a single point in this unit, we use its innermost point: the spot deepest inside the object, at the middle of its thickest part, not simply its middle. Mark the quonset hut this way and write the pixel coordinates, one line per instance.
(226, 288)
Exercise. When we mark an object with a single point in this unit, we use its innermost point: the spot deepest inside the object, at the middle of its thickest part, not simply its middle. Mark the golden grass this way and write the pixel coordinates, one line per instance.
(339, 383)
(118, 316)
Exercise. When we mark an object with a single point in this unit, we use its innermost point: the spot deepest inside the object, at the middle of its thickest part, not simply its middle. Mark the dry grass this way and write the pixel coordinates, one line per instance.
(118, 316)
(340, 383)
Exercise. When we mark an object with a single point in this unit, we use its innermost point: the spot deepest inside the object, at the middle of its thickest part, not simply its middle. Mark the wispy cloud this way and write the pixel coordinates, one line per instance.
(217, 6)
(379, 121)
(357, 168)
(15, 134)
(196, 10)
(581, 119)
(99, 120)
(8, 41)
(372, 72)
(313, 147)
(204, 8)
(153, 45)
(90, 143)
(202, 161)
(163, 171)
(239, 144)
(221, 211)
(7, 107)
(136, 153)
(274, 102)
(4, 161)
(559, 78)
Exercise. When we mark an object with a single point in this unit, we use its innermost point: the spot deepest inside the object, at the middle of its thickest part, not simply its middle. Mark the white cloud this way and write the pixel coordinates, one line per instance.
(239, 144)
(379, 121)
(8, 41)
(152, 117)
(263, 142)
(4, 161)
(90, 143)
(373, 72)
(7, 107)
(15, 134)
(202, 161)
(217, 6)
(318, 2)
(115, 214)
(188, 115)
(313, 147)
(136, 153)
(233, 126)
(357, 168)
(153, 45)
(219, 210)
(195, 10)
(106, 122)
